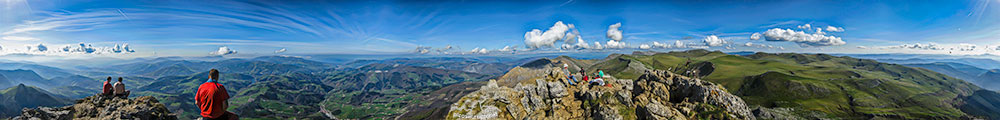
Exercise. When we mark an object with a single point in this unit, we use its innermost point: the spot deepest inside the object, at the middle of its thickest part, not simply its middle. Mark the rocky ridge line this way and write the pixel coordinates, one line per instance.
(654, 95)
(99, 107)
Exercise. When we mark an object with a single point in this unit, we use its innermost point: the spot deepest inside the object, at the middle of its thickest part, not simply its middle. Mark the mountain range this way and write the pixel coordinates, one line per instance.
(810, 86)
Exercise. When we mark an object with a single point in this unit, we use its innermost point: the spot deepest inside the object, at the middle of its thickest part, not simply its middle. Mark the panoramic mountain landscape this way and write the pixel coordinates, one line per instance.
(458, 60)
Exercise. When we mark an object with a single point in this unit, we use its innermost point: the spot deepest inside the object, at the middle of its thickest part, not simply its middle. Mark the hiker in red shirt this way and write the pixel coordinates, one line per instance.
(213, 100)
(107, 87)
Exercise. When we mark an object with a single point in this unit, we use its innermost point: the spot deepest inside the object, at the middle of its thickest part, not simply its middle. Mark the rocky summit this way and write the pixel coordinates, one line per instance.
(99, 107)
(653, 95)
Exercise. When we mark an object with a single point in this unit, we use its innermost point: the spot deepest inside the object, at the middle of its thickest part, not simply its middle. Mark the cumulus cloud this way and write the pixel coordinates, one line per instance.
(479, 51)
(19, 38)
(612, 44)
(834, 29)
(81, 48)
(966, 47)
(538, 39)
(805, 27)
(614, 33)
(224, 51)
(572, 34)
(748, 44)
(928, 46)
(755, 36)
(804, 39)
(422, 49)
(660, 45)
(508, 49)
(37, 48)
(713, 40)
(597, 46)
(282, 50)
(679, 44)
(644, 46)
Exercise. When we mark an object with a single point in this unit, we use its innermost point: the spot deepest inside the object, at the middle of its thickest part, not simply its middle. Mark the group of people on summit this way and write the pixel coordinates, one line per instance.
(117, 89)
(212, 97)
(597, 79)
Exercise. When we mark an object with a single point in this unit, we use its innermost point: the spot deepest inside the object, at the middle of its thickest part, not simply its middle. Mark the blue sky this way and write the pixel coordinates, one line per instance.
(184, 28)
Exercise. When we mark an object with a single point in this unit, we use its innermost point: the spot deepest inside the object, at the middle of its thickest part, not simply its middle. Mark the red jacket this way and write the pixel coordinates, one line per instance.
(107, 88)
(211, 98)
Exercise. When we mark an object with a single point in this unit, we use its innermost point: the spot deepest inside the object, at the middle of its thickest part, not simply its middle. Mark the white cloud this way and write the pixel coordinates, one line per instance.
(448, 49)
(679, 44)
(805, 27)
(748, 44)
(660, 45)
(224, 51)
(572, 34)
(820, 31)
(508, 49)
(928, 46)
(713, 40)
(862, 47)
(479, 51)
(805, 39)
(19, 38)
(422, 50)
(755, 36)
(581, 44)
(834, 29)
(537, 39)
(37, 48)
(612, 44)
(966, 47)
(81, 48)
(614, 33)
(644, 46)
(282, 50)
(597, 45)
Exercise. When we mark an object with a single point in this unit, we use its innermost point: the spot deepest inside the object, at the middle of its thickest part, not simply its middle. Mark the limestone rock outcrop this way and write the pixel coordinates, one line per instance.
(100, 107)
(654, 95)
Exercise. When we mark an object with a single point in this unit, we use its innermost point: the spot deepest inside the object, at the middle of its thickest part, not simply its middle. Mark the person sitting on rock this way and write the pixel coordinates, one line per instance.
(600, 73)
(584, 73)
(120, 89)
(213, 99)
(108, 89)
(569, 75)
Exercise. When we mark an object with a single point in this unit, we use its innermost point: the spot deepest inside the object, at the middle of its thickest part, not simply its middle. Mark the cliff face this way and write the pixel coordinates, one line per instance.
(103, 108)
(654, 95)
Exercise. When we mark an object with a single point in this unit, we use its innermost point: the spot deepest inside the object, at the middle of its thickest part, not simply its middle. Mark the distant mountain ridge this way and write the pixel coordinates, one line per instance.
(989, 79)
(14, 98)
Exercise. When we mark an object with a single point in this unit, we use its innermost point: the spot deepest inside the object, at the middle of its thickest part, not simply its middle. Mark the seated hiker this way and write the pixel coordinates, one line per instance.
(569, 75)
(120, 89)
(584, 74)
(107, 90)
(213, 100)
(600, 73)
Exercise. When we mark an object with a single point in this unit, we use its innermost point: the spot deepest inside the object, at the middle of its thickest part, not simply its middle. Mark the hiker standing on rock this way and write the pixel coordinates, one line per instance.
(213, 100)
(107, 90)
(120, 89)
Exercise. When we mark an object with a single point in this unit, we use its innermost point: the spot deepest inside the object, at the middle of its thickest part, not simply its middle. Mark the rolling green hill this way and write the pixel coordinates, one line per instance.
(836, 87)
